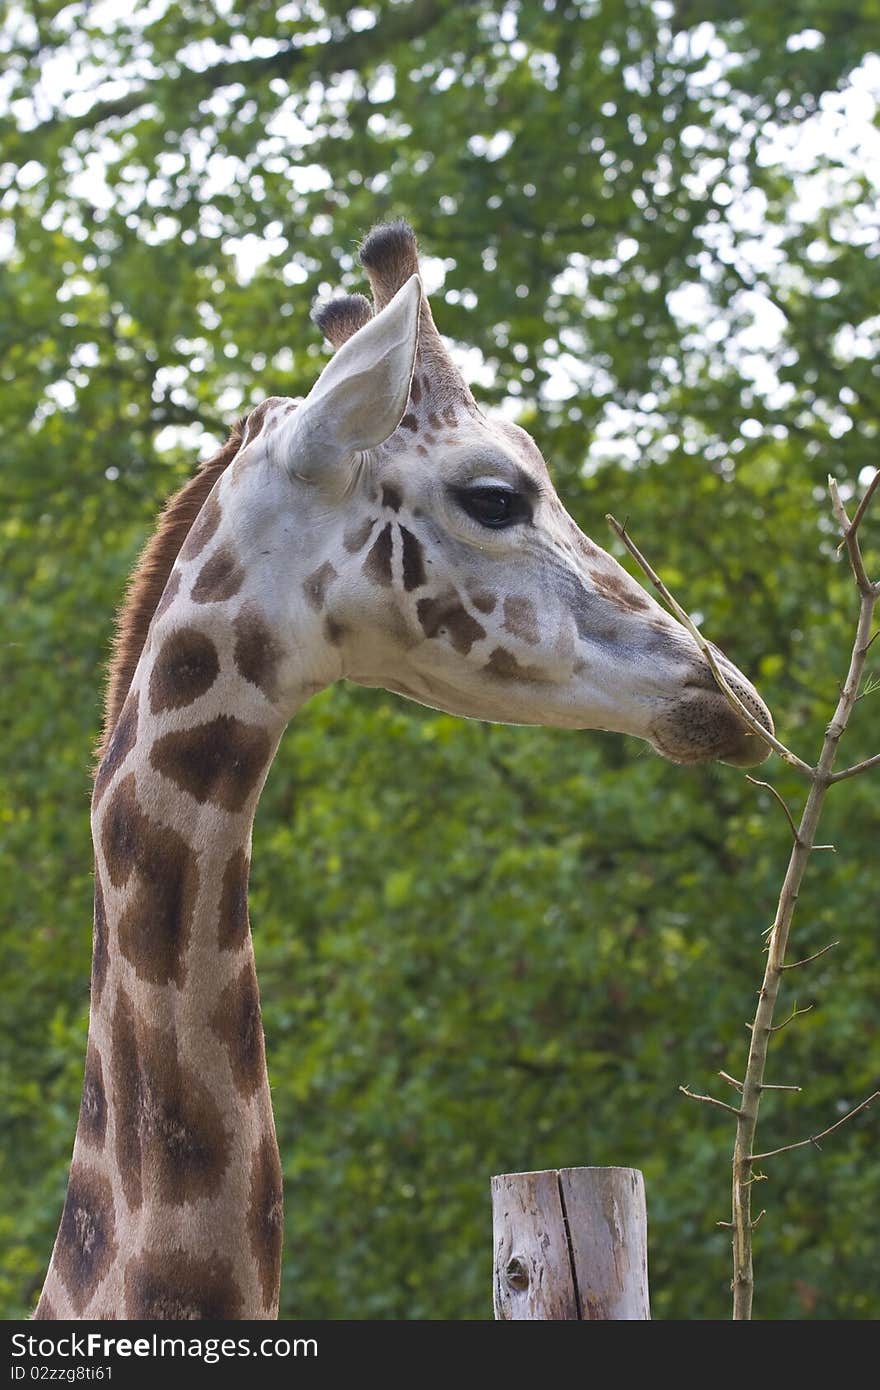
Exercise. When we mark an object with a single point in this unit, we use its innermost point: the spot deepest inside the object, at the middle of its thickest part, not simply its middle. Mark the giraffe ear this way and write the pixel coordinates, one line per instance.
(361, 395)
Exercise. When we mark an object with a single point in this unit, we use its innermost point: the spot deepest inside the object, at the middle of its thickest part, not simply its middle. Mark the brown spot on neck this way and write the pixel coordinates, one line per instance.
(186, 668)
(93, 1106)
(221, 762)
(86, 1242)
(171, 1140)
(232, 931)
(257, 655)
(219, 579)
(237, 1022)
(266, 1218)
(159, 871)
(120, 745)
(172, 1285)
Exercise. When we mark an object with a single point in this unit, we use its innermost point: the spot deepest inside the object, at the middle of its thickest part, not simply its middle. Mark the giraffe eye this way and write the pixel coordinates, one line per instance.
(496, 507)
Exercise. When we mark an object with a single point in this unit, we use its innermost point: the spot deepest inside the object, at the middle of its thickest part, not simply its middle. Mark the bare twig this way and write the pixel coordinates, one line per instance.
(709, 1100)
(850, 532)
(814, 1138)
(856, 768)
(744, 713)
(731, 1080)
(795, 1013)
(808, 960)
(756, 782)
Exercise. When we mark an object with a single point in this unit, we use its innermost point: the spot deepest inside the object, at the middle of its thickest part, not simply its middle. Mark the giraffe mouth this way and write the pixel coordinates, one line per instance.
(704, 727)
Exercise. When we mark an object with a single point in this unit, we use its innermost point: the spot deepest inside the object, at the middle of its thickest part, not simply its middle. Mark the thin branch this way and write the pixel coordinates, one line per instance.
(709, 1100)
(865, 502)
(850, 531)
(814, 1138)
(796, 964)
(768, 1086)
(731, 1080)
(745, 714)
(756, 782)
(795, 1013)
(856, 769)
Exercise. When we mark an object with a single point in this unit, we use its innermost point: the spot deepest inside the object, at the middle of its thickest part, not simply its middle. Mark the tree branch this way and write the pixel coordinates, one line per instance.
(814, 1138)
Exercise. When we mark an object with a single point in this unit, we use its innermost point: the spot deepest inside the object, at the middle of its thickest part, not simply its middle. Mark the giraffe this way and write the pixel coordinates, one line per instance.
(383, 530)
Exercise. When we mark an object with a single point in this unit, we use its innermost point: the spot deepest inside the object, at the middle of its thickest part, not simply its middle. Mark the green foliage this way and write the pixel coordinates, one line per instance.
(508, 955)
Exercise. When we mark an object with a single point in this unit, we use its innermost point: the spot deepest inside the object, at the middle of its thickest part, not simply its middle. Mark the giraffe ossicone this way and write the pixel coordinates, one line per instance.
(385, 531)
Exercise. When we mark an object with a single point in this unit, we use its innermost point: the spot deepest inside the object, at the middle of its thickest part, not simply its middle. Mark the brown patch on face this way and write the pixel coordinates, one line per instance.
(482, 600)
(256, 419)
(100, 942)
(377, 565)
(121, 743)
(315, 587)
(266, 1218)
(414, 575)
(333, 631)
(422, 451)
(433, 420)
(186, 667)
(446, 615)
(237, 1022)
(202, 529)
(450, 417)
(415, 390)
(87, 1236)
(221, 761)
(583, 543)
(521, 619)
(170, 1136)
(504, 664)
(171, 1285)
(233, 926)
(356, 538)
(219, 579)
(617, 591)
(409, 422)
(169, 594)
(155, 923)
(429, 438)
(257, 654)
(391, 497)
(93, 1106)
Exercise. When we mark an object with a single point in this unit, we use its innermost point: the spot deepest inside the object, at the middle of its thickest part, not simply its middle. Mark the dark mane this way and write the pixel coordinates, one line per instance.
(150, 576)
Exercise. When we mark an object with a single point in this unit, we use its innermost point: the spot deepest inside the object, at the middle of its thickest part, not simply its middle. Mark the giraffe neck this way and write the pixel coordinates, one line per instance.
(174, 1204)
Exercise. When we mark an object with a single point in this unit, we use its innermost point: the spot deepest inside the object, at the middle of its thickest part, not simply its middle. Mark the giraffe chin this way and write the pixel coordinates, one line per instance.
(707, 730)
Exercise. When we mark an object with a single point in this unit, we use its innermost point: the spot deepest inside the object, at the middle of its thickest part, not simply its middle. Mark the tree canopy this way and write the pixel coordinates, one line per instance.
(653, 240)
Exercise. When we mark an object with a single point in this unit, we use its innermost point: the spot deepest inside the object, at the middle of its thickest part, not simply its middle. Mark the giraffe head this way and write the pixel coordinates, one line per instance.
(425, 545)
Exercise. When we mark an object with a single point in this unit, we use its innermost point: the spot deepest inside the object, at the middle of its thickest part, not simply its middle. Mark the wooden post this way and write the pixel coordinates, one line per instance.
(570, 1243)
